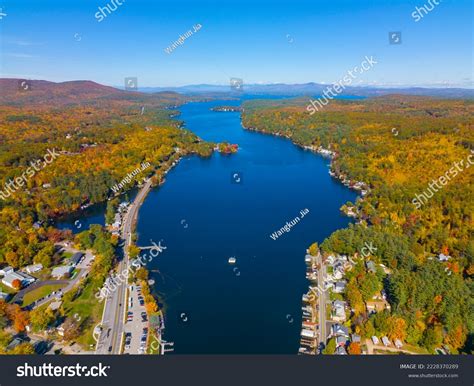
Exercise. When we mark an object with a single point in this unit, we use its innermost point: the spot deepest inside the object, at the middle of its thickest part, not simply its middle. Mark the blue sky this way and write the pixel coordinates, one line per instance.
(259, 41)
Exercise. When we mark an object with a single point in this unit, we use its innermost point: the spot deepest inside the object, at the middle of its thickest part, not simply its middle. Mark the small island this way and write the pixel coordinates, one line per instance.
(227, 108)
(227, 148)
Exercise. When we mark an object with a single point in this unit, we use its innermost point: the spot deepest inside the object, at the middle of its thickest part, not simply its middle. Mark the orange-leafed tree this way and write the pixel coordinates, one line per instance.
(151, 307)
(16, 284)
(354, 349)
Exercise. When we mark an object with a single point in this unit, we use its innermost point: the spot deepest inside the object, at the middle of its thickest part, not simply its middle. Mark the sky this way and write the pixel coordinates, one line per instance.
(259, 41)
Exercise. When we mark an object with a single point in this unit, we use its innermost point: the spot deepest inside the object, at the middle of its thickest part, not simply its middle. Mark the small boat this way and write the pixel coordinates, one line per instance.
(232, 260)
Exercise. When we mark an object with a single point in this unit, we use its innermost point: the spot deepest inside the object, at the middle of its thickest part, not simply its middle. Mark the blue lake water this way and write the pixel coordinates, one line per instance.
(203, 217)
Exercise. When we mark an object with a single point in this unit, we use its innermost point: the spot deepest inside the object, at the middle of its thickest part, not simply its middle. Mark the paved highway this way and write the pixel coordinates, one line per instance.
(110, 340)
(322, 300)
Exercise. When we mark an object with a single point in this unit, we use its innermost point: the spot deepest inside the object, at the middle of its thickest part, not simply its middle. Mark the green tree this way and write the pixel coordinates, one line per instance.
(330, 347)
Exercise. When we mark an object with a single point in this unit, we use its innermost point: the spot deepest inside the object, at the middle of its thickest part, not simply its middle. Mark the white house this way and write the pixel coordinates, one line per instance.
(375, 339)
(385, 341)
(59, 272)
(23, 278)
(398, 343)
(4, 271)
(34, 268)
(443, 257)
(3, 296)
(339, 287)
(338, 308)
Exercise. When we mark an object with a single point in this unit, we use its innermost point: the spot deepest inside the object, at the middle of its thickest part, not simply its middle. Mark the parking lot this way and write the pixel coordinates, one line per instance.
(135, 323)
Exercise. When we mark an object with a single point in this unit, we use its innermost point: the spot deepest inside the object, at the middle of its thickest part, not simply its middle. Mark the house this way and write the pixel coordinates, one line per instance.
(4, 271)
(339, 287)
(443, 257)
(385, 341)
(375, 340)
(355, 338)
(34, 268)
(338, 308)
(398, 343)
(340, 330)
(3, 296)
(23, 278)
(341, 341)
(15, 342)
(308, 334)
(59, 272)
(340, 350)
(370, 265)
(76, 259)
(55, 305)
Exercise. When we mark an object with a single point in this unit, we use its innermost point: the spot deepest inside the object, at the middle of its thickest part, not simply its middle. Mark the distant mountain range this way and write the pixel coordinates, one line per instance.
(315, 89)
(45, 93)
(42, 92)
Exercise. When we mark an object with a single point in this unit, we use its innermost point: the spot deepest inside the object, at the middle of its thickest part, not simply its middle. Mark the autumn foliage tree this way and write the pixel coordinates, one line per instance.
(354, 349)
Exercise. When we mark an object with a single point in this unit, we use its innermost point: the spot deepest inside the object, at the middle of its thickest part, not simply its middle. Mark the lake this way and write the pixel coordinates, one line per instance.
(228, 206)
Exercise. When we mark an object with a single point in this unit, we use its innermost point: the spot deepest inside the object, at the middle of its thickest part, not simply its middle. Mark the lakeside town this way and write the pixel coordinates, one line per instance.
(326, 310)
(52, 308)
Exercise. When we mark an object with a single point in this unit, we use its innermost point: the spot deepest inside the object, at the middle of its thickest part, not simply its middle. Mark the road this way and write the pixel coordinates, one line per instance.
(113, 319)
(83, 270)
(322, 300)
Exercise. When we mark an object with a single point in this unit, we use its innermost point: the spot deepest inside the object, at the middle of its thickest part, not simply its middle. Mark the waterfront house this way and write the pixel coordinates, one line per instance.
(59, 272)
(23, 278)
(375, 340)
(34, 268)
(385, 341)
(341, 350)
(308, 334)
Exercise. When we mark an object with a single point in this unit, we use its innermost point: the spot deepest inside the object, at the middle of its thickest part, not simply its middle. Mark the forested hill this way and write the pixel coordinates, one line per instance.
(47, 94)
(399, 145)
(98, 135)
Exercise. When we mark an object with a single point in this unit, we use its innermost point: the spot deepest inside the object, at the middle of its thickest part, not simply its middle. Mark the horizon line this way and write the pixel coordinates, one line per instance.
(441, 85)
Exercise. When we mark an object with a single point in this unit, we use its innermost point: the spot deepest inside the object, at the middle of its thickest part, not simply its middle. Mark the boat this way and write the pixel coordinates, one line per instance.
(232, 260)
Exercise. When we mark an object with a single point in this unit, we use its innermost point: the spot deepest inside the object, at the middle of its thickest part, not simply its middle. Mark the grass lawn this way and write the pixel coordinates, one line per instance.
(67, 255)
(6, 289)
(44, 274)
(88, 308)
(40, 292)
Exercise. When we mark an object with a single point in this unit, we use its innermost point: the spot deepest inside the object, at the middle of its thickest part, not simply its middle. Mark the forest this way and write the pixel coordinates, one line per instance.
(100, 133)
(398, 145)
